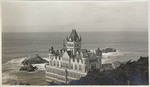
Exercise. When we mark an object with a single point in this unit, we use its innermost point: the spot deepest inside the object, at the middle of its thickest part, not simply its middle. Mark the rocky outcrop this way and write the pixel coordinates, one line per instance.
(34, 59)
(28, 67)
(108, 50)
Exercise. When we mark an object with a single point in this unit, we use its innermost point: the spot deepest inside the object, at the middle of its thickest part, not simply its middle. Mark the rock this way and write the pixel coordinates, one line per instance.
(108, 50)
(28, 68)
(34, 59)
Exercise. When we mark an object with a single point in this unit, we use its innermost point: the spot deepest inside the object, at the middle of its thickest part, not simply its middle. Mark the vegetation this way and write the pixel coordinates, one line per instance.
(130, 73)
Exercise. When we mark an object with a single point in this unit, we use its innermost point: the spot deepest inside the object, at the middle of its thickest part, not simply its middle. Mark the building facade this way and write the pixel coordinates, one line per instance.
(71, 62)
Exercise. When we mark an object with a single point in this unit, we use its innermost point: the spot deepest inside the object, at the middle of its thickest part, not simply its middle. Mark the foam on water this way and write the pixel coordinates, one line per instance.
(6, 76)
(108, 57)
(40, 66)
(11, 67)
(14, 64)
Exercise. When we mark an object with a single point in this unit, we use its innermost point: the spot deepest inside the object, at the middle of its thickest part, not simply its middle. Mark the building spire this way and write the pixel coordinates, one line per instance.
(64, 44)
(52, 47)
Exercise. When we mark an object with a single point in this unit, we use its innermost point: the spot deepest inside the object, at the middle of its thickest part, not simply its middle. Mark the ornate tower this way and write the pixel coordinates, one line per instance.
(73, 42)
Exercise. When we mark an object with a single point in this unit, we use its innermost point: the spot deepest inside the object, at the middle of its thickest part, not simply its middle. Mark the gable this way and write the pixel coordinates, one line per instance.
(65, 56)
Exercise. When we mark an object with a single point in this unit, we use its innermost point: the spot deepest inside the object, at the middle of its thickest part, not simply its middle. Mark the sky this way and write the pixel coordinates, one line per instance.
(34, 16)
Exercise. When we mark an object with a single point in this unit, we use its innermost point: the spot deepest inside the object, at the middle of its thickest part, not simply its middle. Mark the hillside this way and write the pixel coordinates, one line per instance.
(130, 73)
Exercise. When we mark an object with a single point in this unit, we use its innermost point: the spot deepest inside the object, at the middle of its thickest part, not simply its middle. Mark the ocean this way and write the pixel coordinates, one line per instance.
(17, 46)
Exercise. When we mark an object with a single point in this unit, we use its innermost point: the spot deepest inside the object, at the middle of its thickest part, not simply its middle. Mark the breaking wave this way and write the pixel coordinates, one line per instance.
(11, 67)
(109, 57)
(6, 76)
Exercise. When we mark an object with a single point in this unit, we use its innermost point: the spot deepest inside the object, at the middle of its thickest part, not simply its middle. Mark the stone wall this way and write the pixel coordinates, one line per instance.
(58, 74)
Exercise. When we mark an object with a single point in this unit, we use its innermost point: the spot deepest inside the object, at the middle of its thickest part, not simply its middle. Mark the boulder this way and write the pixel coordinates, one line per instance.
(34, 59)
(28, 68)
(108, 50)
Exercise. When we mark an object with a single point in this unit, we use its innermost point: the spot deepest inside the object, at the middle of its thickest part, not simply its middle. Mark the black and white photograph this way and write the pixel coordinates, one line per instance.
(61, 43)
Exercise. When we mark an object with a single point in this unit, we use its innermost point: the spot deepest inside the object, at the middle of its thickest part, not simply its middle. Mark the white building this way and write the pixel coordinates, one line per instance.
(71, 62)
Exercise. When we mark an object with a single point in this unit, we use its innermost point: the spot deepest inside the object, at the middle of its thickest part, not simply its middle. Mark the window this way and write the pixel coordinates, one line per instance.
(75, 67)
(57, 63)
(71, 66)
(67, 65)
(80, 67)
(54, 63)
(71, 74)
(62, 65)
(70, 45)
(86, 68)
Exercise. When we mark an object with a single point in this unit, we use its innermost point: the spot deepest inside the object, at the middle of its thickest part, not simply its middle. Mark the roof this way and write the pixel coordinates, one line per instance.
(74, 36)
(66, 56)
(98, 49)
(117, 63)
(78, 57)
(61, 54)
(84, 52)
